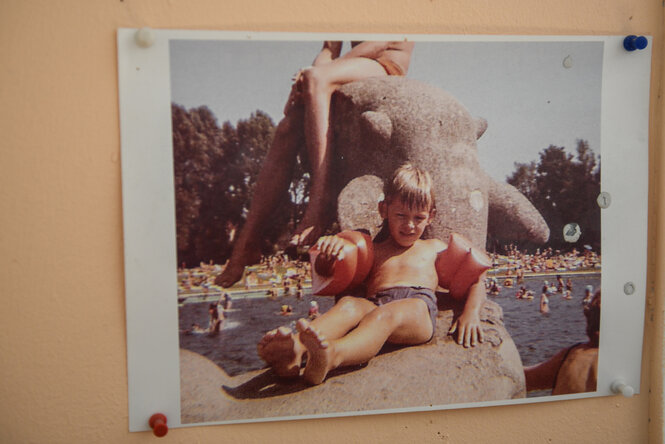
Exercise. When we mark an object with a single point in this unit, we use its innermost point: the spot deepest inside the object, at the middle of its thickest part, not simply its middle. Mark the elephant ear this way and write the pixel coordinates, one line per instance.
(481, 127)
(378, 126)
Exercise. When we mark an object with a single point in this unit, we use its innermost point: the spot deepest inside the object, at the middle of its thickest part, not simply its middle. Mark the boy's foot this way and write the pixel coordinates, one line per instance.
(319, 353)
(280, 350)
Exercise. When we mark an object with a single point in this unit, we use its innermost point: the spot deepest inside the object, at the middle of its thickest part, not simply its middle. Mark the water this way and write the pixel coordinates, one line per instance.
(537, 337)
(234, 348)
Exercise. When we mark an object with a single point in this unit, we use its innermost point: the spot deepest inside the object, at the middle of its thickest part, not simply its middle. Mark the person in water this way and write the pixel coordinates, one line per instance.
(313, 310)
(306, 120)
(225, 301)
(588, 294)
(398, 305)
(214, 318)
(573, 369)
(544, 304)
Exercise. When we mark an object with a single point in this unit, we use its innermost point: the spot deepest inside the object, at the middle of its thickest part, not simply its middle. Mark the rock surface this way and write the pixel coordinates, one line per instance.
(434, 374)
(381, 123)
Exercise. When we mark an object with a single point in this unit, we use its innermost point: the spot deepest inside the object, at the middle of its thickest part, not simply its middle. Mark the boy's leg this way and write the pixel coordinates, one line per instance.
(282, 349)
(405, 321)
(319, 84)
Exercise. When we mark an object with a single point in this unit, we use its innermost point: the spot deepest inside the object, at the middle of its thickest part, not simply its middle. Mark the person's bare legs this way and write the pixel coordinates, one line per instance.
(405, 321)
(282, 349)
(319, 84)
(272, 182)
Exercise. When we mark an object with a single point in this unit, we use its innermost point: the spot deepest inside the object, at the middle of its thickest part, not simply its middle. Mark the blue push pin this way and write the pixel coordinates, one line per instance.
(633, 42)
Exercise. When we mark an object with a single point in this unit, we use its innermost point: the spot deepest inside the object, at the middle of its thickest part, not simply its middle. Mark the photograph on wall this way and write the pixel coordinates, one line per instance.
(375, 226)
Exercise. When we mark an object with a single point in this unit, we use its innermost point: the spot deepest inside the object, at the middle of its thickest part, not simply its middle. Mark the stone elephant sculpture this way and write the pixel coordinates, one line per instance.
(381, 123)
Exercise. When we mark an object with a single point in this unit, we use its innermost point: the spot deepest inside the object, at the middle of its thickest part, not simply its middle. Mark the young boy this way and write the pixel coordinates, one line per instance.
(399, 304)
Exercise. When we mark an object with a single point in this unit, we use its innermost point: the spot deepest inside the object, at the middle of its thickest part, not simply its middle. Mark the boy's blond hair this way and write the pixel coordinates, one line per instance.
(412, 186)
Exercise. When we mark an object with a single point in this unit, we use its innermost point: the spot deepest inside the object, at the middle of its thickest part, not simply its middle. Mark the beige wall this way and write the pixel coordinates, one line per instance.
(63, 369)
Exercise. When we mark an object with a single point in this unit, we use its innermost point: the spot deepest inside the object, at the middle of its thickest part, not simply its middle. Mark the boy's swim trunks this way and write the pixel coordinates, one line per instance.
(398, 293)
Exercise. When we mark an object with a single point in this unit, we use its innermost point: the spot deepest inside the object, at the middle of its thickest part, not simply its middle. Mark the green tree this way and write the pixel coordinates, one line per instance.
(524, 178)
(197, 143)
(215, 170)
(564, 188)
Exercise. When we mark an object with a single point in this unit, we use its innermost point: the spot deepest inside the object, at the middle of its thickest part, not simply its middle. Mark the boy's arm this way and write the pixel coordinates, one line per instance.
(468, 327)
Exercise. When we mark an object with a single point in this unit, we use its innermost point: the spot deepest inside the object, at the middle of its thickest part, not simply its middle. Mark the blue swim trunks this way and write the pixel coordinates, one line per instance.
(398, 293)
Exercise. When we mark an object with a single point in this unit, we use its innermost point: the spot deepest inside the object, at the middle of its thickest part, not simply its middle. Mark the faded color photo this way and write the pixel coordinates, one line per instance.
(376, 226)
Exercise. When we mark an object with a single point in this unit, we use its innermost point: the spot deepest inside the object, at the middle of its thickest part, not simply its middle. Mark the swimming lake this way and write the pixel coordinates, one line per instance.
(537, 336)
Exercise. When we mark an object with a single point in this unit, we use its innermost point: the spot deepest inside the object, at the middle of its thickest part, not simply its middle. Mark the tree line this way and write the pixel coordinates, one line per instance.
(216, 168)
(564, 188)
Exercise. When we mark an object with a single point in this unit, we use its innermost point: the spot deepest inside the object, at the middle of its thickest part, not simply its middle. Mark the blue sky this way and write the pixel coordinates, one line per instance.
(528, 97)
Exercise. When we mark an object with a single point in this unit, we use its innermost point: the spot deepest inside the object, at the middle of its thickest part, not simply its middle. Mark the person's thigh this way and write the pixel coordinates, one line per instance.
(341, 71)
(412, 321)
(343, 316)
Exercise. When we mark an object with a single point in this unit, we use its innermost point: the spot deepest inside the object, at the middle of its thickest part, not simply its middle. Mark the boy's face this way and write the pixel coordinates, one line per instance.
(405, 224)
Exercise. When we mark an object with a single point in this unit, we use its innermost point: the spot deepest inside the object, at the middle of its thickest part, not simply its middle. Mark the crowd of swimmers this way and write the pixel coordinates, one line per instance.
(559, 286)
(277, 272)
(546, 260)
(291, 286)
(291, 279)
(290, 282)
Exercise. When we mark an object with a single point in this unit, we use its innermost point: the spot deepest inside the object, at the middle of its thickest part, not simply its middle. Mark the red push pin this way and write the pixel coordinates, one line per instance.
(158, 424)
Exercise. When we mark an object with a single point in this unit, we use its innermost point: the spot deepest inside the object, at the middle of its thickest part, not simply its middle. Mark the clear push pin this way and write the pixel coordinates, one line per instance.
(144, 37)
(619, 386)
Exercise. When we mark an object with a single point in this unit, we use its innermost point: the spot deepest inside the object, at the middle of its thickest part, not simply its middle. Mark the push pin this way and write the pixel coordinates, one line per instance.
(633, 42)
(144, 37)
(620, 387)
(158, 425)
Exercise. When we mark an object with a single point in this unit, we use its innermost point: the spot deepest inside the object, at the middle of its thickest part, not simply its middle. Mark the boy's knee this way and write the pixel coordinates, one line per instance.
(349, 303)
(385, 314)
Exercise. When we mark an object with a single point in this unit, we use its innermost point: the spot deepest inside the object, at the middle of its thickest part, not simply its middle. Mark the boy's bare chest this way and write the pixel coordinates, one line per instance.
(414, 259)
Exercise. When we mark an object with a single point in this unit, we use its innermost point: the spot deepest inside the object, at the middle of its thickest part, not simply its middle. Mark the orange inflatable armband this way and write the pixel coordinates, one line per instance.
(460, 265)
(332, 277)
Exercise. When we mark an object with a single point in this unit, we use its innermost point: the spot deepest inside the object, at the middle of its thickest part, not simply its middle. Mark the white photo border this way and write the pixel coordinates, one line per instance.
(149, 214)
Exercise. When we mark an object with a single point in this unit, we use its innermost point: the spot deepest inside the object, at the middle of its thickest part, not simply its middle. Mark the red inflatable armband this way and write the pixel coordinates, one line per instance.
(331, 277)
(449, 260)
(460, 265)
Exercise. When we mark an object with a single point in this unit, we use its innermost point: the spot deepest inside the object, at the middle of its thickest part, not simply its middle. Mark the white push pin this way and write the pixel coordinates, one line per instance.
(144, 37)
(619, 386)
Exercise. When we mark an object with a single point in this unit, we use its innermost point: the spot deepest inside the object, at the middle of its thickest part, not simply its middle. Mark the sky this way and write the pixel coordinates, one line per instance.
(528, 97)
